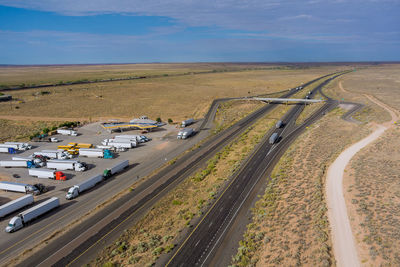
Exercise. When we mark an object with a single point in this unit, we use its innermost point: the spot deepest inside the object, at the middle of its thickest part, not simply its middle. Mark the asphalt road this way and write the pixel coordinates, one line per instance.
(203, 245)
(82, 242)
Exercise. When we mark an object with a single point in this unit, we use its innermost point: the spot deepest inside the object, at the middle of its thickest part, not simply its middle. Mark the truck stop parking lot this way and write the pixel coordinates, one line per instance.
(163, 140)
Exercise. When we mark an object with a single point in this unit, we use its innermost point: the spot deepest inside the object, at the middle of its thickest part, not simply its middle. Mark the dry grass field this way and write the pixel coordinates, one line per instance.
(176, 97)
(36, 75)
(290, 226)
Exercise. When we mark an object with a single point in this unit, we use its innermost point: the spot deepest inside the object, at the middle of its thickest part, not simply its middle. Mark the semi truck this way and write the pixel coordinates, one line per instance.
(117, 168)
(53, 154)
(187, 122)
(74, 191)
(138, 138)
(47, 174)
(185, 133)
(96, 153)
(17, 163)
(38, 161)
(67, 132)
(273, 138)
(14, 146)
(24, 217)
(67, 165)
(16, 204)
(22, 146)
(279, 124)
(19, 187)
(45, 139)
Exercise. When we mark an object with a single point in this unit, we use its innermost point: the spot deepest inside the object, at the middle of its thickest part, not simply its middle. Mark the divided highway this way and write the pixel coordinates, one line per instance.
(82, 242)
(202, 246)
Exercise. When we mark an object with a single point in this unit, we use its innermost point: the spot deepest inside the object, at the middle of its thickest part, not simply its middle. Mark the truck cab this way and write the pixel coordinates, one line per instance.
(73, 192)
(60, 176)
(14, 224)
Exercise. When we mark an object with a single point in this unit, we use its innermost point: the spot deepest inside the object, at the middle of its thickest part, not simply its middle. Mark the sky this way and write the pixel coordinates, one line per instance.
(136, 31)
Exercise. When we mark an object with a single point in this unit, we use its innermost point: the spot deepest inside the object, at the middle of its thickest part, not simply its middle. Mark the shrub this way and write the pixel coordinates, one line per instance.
(158, 119)
(170, 121)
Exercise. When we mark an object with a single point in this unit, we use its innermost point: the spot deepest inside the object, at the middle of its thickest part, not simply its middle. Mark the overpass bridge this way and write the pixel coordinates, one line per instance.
(285, 100)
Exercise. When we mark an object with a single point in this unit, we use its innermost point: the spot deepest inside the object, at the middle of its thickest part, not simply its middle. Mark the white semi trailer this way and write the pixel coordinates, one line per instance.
(67, 132)
(74, 191)
(24, 217)
(187, 122)
(116, 168)
(66, 165)
(16, 163)
(19, 187)
(16, 204)
(117, 144)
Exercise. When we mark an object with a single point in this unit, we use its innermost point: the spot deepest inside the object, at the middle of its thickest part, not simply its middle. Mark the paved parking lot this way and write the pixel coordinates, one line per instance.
(163, 140)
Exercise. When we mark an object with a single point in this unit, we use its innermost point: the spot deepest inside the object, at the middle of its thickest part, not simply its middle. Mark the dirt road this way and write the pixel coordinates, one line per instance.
(344, 245)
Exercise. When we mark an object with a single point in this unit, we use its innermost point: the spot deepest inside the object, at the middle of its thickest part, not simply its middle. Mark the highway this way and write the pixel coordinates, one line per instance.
(82, 242)
(203, 245)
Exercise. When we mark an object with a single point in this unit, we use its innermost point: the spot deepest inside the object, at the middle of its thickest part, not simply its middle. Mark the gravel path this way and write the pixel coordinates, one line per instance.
(344, 245)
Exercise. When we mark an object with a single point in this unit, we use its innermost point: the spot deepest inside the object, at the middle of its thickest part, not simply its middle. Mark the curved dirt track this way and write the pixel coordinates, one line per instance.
(344, 245)
(343, 241)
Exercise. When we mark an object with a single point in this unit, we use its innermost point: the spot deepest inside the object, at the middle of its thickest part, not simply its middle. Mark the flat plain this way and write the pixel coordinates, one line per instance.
(175, 97)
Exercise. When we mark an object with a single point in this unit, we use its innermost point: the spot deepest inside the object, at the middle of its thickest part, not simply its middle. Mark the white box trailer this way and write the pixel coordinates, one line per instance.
(136, 138)
(23, 146)
(19, 187)
(122, 140)
(117, 145)
(15, 163)
(67, 132)
(91, 152)
(187, 122)
(24, 217)
(74, 191)
(116, 168)
(4, 149)
(66, 165)
(16, 204)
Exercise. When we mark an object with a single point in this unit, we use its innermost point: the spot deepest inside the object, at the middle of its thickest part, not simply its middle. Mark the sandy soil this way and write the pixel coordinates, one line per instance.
(345, 249)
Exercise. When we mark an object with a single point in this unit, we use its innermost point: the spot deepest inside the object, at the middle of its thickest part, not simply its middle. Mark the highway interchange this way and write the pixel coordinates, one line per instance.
(84, 240)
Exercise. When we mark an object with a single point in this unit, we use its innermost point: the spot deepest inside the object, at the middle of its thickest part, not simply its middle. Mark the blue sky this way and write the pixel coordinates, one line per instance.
(130, 31)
